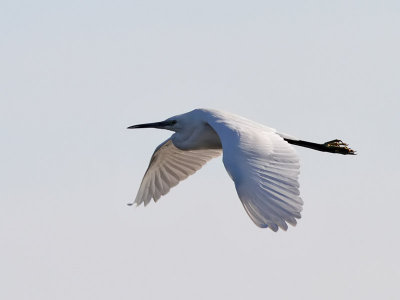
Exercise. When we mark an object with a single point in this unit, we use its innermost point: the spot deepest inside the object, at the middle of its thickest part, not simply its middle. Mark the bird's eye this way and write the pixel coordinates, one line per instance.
(173, 122)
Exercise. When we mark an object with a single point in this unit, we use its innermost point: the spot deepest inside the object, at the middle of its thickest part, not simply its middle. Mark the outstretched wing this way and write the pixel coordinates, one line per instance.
(264, 168)
(168, 166)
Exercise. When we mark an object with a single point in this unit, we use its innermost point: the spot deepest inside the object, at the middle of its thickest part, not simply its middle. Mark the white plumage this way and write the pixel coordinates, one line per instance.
(260, 161)
(169, 166)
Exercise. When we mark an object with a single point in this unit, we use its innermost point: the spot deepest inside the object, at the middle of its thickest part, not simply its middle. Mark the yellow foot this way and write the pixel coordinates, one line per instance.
(338, 146)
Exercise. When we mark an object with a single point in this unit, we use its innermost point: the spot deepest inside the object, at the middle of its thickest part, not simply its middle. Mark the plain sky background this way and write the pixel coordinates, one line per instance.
(75, 74)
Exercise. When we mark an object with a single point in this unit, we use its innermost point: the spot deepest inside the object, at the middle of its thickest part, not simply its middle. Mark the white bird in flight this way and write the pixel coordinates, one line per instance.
(260, 161)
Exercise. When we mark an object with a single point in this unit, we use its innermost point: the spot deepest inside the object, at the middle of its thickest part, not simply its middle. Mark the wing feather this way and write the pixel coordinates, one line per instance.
(168, 166)
(264, 168)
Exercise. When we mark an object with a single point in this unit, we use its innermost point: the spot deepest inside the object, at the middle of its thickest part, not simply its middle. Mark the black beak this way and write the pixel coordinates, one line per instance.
(159, 125)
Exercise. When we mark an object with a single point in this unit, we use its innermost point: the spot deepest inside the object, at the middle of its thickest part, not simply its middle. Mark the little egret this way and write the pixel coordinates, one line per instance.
(260, 161)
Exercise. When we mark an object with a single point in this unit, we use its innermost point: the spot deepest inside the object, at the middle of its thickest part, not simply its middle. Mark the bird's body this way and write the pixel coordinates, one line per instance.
(260, 161)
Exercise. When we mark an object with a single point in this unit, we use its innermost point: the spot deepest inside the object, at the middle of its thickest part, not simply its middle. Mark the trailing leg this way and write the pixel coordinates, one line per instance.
(334, 146)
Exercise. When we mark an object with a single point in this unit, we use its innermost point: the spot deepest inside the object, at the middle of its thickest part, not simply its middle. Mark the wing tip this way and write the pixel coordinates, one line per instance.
(275, 226)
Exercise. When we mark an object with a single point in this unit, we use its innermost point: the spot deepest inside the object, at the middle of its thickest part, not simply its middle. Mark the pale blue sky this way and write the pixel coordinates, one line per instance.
(75, 74)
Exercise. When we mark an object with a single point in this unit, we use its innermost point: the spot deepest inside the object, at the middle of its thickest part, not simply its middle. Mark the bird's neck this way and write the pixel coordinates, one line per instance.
(199, 137)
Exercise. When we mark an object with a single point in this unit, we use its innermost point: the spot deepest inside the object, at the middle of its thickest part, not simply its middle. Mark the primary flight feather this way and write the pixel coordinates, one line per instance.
(260, 161)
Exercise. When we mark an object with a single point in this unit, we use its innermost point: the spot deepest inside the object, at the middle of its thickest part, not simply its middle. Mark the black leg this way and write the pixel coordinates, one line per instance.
(334, 146)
